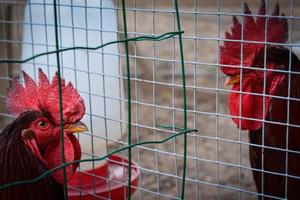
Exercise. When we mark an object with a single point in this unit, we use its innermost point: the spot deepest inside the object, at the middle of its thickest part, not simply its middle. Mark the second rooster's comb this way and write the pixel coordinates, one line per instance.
(252, 30)
(44, 97)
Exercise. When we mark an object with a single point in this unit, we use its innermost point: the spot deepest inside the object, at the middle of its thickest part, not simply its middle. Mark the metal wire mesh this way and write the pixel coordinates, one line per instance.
(59, 65)
(163, 89)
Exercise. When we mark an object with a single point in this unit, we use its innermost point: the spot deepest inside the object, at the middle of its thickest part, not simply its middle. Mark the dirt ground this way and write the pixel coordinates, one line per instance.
(217, 164)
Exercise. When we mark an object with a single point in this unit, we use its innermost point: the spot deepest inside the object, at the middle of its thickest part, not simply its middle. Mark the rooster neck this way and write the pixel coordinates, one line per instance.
(19, 163)
(274, 136)
(278, 112)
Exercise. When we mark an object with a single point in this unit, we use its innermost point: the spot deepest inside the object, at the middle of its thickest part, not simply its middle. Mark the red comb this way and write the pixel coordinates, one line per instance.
(45, 98)
(253, 30)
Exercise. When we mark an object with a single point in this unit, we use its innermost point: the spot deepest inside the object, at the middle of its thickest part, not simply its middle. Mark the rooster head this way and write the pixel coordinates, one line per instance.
(248, 71)
(43, 135)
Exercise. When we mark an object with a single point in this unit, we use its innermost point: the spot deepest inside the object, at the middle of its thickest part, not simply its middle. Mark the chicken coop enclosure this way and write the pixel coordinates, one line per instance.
(151, 74)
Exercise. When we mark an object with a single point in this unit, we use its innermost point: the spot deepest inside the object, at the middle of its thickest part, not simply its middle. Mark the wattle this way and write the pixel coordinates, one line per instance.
(252, 105)
(53, 157)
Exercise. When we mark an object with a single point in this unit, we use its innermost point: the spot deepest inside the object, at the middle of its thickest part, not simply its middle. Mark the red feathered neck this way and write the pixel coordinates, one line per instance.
(44, 97)
(255, 33)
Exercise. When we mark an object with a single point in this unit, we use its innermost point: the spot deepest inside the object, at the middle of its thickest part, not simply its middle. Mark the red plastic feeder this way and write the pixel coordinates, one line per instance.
(106, 182)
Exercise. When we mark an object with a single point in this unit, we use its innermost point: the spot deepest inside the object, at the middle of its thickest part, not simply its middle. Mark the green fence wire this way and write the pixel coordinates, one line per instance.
(178, 131)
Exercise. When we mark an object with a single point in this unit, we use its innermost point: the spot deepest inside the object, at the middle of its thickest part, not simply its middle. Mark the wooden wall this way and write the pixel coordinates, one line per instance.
(11, 20)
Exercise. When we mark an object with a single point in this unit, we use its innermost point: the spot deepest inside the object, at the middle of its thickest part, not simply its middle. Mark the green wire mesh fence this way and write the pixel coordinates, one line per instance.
(179, 131)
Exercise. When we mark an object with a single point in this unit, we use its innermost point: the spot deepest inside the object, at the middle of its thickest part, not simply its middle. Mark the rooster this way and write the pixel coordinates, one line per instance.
(31, 144)
(258, 100)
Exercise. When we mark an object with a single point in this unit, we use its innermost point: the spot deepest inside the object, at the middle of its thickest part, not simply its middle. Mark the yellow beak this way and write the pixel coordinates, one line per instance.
(76, 128)
(231, 80)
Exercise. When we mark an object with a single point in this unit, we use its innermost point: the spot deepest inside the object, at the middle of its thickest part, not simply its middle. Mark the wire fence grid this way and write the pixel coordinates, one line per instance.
(169, 53)
(58, 50)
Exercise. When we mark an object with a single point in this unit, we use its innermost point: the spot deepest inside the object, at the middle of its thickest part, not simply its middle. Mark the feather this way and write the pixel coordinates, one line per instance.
(274, 135)
(18, 163)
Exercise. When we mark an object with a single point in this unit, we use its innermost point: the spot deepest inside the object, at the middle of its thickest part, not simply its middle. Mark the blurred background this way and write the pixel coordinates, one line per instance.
(217, 163)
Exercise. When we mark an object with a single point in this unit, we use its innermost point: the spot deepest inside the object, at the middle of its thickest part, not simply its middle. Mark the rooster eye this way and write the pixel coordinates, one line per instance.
(42, 124)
